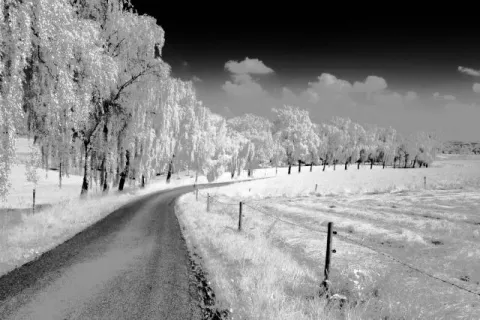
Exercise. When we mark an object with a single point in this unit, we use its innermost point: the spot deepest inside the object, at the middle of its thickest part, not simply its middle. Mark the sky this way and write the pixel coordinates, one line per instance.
(409, 68)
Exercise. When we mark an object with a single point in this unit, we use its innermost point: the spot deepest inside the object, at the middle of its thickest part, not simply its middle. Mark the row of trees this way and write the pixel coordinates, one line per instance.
(85, 79)
(344, 141)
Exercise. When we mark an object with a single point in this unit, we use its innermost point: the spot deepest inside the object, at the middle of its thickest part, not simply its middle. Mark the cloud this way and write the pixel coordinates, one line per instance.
(476, 87)
(469, 71)
(330, 82)
(288, 96)
(449, 97)
(328, 90)
(248, 66)
(243, 86)
(370, 85)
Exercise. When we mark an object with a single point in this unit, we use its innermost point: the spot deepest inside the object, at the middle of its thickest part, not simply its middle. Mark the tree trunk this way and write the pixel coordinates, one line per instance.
(394, 163)
(170, 169)
(311, 167)
(103, 175)
(346, 165)
(60, 175)
(249, 172)
(334, 164)
(299, 166)
(358, 165)
(86, 171)
(143, 181)
(105, 182)
(289, 168)
(276, 169)
(371, 164)
(414, 163)
(324, 164)
(233, 168)
(383, 164)
(124, 174)
(406, 161)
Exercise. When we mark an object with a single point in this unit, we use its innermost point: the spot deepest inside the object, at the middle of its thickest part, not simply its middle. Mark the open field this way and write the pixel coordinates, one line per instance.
(269, 270)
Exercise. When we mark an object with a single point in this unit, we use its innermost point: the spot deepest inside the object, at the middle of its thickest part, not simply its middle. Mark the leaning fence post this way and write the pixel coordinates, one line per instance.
(240, 217)
(327, 257)
(208, 202)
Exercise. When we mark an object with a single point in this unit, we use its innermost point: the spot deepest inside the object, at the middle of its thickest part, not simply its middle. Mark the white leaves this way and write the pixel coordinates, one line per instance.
(295, 130)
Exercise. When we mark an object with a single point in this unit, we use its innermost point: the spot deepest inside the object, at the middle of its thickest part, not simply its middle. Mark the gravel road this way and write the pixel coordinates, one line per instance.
(133, 264)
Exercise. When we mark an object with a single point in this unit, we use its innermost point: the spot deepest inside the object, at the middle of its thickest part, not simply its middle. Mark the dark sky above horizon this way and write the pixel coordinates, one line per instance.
(412, 49)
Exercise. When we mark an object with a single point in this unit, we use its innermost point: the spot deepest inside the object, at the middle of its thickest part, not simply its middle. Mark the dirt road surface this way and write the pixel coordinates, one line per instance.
(133, 264)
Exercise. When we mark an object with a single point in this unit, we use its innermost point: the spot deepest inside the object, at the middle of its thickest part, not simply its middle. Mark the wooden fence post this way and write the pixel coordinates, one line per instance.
(327, 256)
(208, 202)
(240, 217)
(425, 182)
(33, 200)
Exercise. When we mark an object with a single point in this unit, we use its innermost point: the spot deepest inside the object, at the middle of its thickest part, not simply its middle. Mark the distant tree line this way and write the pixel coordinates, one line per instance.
(459, 147)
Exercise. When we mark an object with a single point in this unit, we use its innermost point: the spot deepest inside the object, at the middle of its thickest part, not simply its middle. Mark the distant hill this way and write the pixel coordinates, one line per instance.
(460, 147)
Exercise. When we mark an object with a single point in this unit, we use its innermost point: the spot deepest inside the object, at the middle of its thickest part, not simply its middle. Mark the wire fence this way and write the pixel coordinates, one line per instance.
(211, 199)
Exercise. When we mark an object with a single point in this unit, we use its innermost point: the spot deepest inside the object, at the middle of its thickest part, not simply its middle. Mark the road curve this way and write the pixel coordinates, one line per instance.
(133, 264)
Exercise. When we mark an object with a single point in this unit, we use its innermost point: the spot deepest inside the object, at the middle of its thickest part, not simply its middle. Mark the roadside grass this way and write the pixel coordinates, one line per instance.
(44, 230)
(271, 270)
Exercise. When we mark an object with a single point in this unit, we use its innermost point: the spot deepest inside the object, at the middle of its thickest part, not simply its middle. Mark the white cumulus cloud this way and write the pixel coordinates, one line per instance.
(242, 84)
(370, 85)
(252, 66)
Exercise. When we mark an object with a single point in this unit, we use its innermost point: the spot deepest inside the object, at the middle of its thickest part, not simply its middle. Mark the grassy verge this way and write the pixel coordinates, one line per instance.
(254, 273)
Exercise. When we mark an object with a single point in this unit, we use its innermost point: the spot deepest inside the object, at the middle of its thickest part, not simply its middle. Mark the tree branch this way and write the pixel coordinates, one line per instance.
(129, 82)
